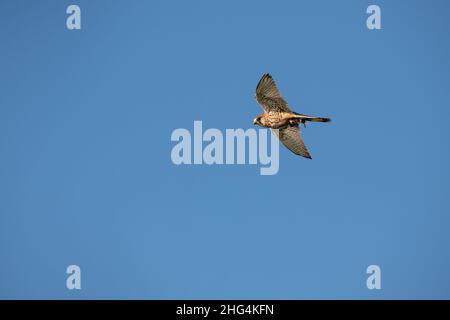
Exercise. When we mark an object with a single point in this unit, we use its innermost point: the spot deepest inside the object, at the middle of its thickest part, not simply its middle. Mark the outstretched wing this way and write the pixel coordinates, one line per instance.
(268, 96)
(291, 138)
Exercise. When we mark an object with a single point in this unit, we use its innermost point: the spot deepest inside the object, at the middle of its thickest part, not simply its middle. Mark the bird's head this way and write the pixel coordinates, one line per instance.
(257, 120)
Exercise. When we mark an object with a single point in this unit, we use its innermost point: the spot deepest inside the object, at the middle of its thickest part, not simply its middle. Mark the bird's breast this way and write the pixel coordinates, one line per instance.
(275, 120)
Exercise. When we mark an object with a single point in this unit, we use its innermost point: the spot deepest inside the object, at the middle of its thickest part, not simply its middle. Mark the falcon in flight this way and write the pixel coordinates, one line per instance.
(278, 117)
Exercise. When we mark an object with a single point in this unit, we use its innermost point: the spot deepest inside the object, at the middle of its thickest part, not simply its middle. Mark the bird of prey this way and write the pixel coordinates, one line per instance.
(278, 117)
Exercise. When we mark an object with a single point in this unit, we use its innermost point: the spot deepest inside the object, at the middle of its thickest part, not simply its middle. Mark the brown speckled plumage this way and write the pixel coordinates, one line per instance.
(278, 117)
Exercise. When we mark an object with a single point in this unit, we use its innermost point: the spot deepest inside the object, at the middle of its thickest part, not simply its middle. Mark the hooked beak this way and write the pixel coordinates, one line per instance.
(255, 121)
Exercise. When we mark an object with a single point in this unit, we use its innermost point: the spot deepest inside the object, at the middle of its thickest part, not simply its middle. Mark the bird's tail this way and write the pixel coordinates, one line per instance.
(308, 118)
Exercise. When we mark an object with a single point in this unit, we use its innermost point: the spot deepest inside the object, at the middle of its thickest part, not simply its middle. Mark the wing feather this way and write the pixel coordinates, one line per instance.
(268, 95)
(292, 139)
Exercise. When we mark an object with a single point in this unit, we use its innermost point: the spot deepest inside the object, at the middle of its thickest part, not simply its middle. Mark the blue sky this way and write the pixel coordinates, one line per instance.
(86, 176)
